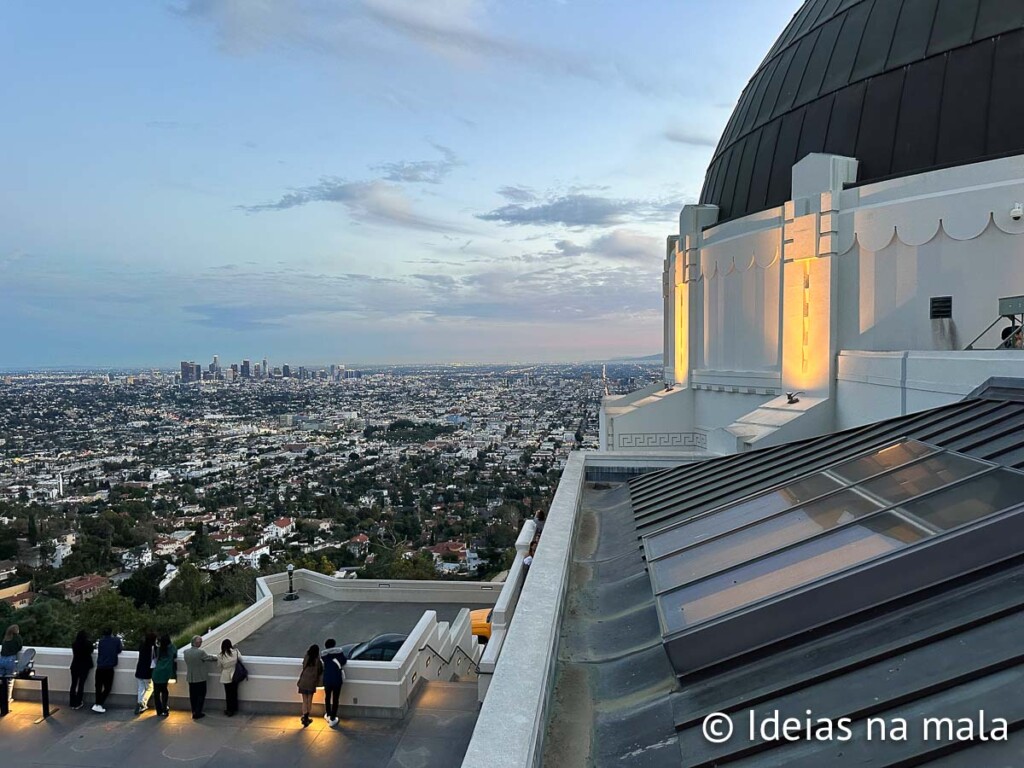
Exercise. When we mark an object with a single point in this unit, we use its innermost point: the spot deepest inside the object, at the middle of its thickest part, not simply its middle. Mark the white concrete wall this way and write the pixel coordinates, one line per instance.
(741, 281)
(880, 385)
(371, 688)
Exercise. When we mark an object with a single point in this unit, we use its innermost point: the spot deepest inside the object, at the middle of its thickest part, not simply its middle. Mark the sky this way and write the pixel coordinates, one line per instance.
(354, 181)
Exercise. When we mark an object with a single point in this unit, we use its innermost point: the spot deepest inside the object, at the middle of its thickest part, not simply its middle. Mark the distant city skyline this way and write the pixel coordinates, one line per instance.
(383, 181)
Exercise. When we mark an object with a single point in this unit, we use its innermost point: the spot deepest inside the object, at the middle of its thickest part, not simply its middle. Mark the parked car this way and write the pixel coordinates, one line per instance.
(380, 648)
(481, 621)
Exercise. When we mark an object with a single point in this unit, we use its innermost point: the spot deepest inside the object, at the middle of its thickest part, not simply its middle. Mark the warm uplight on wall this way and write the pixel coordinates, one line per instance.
(806, 339)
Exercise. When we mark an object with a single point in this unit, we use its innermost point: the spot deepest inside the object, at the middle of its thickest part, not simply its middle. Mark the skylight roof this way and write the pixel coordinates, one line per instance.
(826, 545)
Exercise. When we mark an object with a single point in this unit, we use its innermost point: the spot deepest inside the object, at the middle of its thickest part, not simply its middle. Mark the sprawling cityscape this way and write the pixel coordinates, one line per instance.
(132, 484)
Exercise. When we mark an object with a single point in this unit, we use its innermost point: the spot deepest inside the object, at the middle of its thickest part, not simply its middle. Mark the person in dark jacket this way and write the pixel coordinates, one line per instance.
(144, 671)
(311, 678)
(334, 660)
(81, 663)
(107, 651)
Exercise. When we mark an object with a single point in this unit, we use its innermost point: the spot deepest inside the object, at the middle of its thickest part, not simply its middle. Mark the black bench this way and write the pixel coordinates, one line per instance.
(44, 685)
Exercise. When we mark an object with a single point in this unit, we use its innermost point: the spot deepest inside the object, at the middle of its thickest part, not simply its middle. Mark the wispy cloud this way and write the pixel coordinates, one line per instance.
(518, 194)
(689, 136)
(454, 30)
(572, 210)
(374, 201)
(421, 171)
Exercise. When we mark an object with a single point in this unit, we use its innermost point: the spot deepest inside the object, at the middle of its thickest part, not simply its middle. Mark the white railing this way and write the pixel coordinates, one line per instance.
(509, 731)
(371, 688)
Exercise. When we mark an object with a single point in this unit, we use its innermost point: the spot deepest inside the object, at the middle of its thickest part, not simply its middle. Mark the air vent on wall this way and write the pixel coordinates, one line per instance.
(940, 307)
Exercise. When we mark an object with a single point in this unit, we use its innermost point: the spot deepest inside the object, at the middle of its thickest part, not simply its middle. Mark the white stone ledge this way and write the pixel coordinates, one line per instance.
(510, 728)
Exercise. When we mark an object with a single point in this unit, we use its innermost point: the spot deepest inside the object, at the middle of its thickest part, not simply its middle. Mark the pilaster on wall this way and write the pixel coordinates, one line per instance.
(688, 303)
(810, 238)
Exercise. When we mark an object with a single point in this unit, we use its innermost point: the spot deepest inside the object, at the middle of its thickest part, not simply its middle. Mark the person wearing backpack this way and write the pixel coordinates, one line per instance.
(334, 661)
(232, 672)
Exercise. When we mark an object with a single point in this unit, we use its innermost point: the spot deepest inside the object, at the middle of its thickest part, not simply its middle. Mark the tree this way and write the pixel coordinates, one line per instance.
(143, 586)
(33, 531)
(189, 588)
(110, 610)
(46, 622)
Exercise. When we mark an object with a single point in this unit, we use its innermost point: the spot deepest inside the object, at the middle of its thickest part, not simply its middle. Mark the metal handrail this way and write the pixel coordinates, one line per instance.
(448, 661)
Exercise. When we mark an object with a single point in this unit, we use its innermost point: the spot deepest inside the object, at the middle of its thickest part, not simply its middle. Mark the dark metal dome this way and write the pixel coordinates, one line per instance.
(904, 86)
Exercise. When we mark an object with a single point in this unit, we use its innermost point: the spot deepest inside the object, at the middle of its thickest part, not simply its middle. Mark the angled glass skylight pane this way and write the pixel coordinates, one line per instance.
(789, 569)
(887, 458)
(753, 541)
(970, 500)
(922, 476)
(715, 523)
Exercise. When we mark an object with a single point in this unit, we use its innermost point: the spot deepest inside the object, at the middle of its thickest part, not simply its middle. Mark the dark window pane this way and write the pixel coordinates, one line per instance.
(792, 568)
(745, 512)
(729, 188)
(918, 127)
(739, 200)
(962, 128)
(763, 167)
(796, 73)
(971, 500)
(874, 46)
(954, 23)
(1006, 107)
(811, 84)
(887, 458)
(812, 137)
(771, 95)
(912, 32)
(845, 52)
(996, 16)
(921, 477)
(878, 124)
(767, 536)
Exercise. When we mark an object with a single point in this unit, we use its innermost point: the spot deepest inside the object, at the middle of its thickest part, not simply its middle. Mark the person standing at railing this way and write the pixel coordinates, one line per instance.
(163, 673)
(107, 651)
(144, 671)
(334, 661)
(195, 666)
(311, 678)
(81, 663)
(9, 651)
(228, 662)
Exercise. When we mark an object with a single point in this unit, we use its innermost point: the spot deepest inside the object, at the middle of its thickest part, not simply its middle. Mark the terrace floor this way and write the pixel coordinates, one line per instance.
(434, 734)
(312, 619)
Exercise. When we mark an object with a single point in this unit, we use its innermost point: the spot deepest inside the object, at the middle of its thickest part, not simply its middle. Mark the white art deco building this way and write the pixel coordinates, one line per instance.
(860, 221)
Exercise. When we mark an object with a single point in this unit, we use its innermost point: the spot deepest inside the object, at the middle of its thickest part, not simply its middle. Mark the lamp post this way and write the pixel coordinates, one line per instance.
(292, 594)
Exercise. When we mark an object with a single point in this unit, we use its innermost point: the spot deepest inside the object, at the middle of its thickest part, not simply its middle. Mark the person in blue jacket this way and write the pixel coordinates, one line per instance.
(107, 651)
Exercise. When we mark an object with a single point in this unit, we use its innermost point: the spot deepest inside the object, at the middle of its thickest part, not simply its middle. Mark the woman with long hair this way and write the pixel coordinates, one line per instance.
(81, 663)
(9, 651)
(144, 671)
(227, 662)
(163, 673)
(310, 679)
